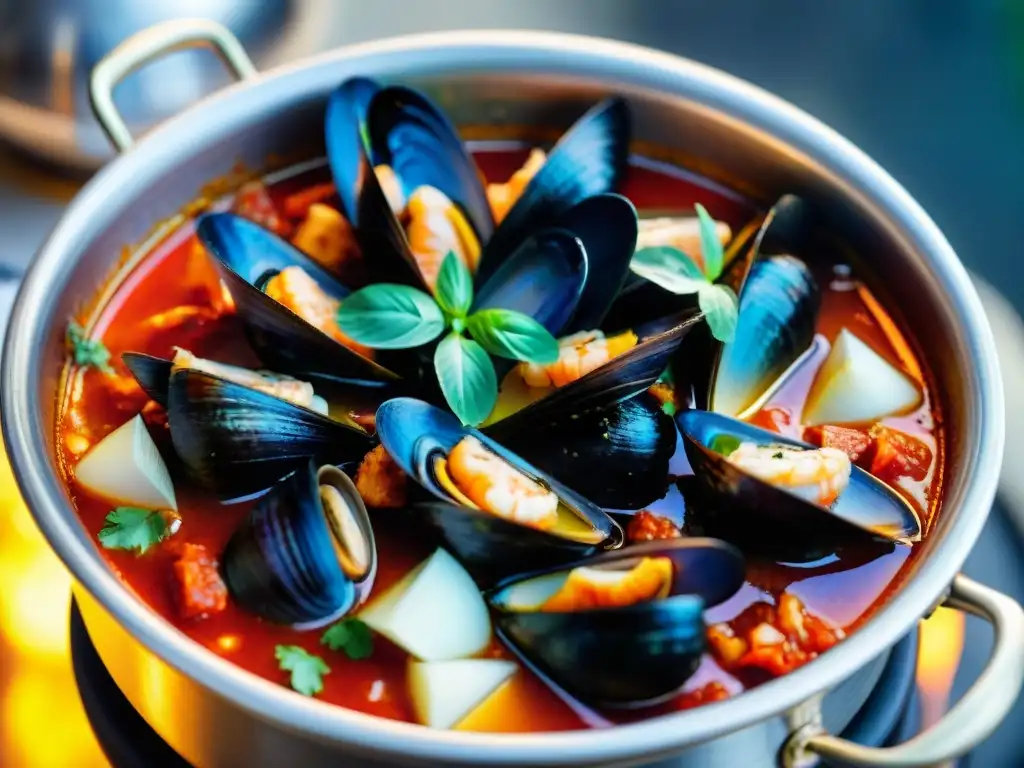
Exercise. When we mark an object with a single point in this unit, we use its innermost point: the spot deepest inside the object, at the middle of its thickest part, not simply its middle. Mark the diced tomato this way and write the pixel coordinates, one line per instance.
(646, 526)
(898, 454)
(773, 418)
(253, 202)
(855, 443)
(297, 205)
(197, 587)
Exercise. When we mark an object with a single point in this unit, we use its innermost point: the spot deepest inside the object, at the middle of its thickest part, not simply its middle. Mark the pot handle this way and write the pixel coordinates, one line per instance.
(147, 45)
(967, 724)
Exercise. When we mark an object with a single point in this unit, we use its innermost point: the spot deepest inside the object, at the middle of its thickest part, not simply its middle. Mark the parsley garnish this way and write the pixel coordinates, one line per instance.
(89, 353)
(307, 670)
(777, 455)
(134, 528)
(351, 636)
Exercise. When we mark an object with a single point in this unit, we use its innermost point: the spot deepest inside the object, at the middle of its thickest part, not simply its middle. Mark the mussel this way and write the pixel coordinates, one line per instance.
(248, 257)
(617, 455)
(305, 554)
(494, 511)
(786, 520)
(779, 302)
(622, 629)
(236, 440)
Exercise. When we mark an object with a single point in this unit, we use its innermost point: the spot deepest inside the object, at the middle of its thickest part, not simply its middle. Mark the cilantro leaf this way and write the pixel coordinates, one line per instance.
(134, 528)
(351, 636)
(721, 310)
(307, 670)
(85, 351)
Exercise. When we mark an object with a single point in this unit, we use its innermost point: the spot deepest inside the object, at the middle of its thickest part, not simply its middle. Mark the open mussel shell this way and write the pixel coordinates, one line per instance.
(619, 379)
(305, 555)
(247, 256)
(766, 520)
(590, 159)
(344, 121)
(152, 374)
(544, 279)
(620, 657)
(236, 441)
(416, 435)
(615, 455)
(779, 302)
(407, 132)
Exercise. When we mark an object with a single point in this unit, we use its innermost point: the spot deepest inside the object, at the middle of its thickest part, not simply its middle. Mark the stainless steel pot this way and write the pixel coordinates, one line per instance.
(215, 714)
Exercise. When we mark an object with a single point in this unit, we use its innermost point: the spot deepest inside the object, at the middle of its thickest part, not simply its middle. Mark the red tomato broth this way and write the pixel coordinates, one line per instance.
(170, 277)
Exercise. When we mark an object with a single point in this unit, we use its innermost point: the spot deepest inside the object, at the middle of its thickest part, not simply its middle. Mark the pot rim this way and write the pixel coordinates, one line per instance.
(890, 206)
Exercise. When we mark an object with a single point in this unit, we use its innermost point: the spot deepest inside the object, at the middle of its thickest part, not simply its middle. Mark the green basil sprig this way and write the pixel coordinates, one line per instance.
(678, 273)
(389, 316)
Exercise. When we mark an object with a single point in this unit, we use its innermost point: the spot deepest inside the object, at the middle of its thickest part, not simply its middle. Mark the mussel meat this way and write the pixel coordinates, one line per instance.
(235, 440)
(755, 489)
(634, 615)
(615, 455)
(495, 512)
(305, 555)
(299, 338)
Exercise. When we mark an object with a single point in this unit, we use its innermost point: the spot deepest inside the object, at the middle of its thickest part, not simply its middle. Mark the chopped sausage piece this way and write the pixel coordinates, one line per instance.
(771, 639)
(503, 196)
(855, 443)
(707, 694)
(897, 455)
(646, 526)
(297, 204)
(380, 481)
(253, 202)
(773, 418)
(327, 237)
(197, 587)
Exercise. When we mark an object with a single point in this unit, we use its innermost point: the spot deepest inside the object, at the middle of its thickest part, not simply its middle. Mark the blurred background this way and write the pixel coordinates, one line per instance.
(931, 89)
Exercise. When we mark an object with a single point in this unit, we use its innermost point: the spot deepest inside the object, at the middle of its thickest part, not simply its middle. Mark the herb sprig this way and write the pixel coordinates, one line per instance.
(389, 316)
(678, 273)
(86, 352)
(351, 636)
(307, 670)
(136, 528)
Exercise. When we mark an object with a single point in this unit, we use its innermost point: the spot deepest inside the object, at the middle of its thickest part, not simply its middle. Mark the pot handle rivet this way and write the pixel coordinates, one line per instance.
(968, 723)
(148, 45)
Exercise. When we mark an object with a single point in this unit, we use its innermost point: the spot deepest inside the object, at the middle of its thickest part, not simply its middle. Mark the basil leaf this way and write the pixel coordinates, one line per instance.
(721, 310)
(454, 289)
(467, 378)
(388, 316)
(511, 334)
(670, 268)
(710, 245)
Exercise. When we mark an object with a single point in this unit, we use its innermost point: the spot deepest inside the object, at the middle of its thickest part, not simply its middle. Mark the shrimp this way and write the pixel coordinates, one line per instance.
(277, 385)
(327, 237)
(678, 232)
(436, 226)
(588, 588)
(488, 482)
(300, 293)
(818, 476)
(578, 355)
(503, 196)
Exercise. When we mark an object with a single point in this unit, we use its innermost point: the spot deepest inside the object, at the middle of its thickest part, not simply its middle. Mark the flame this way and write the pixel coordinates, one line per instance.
(36, 668)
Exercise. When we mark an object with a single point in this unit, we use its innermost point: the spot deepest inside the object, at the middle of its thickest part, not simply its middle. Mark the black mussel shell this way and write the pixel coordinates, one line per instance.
(626, 657)
(284, 563)
(408, 132)
(544, 279)
(247, 256)
(151, 372)
(779, 302)
(765, 520)
(615, 455)
(490, 547)
(344, 122)
(237, 441)
(619, 379)
(607, 227)
(590, 159)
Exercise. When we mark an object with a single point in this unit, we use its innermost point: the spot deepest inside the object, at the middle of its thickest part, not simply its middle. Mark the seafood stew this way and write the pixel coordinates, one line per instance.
(433, 431)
